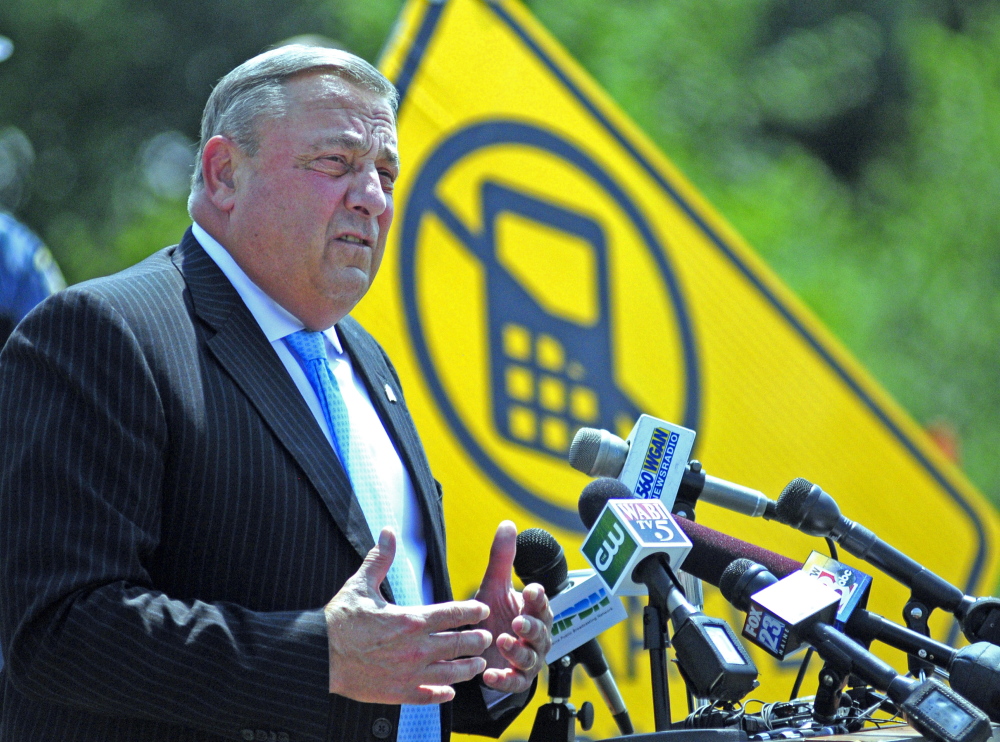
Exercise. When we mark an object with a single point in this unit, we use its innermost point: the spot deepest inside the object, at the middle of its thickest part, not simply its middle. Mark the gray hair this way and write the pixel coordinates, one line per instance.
(256, 89)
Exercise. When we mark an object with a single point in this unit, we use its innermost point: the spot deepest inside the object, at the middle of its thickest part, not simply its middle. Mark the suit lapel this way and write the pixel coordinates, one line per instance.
(244, 352)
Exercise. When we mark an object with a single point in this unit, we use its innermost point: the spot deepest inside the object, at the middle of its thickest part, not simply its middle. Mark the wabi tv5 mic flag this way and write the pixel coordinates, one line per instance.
(625, 533)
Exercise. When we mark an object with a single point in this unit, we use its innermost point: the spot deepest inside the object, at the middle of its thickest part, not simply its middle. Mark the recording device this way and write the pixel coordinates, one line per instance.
(632, 544)
(936, 711)
(806, 507)
(638, 462)
(582, 609)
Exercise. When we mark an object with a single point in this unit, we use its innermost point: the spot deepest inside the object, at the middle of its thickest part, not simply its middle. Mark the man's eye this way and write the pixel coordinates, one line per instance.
(388, 180)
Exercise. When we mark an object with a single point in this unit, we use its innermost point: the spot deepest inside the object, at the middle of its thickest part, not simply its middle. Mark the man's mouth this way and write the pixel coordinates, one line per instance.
(355, 239)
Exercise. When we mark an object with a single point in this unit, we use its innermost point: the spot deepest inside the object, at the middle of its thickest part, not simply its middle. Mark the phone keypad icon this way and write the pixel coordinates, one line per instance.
(548, 399)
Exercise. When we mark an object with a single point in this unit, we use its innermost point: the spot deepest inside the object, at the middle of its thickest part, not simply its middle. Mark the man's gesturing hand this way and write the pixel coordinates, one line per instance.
(383, 653)
(521, 622)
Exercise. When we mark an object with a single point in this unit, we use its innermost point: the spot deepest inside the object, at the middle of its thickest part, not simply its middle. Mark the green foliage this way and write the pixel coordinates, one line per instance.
(854, 143)
(94, 83)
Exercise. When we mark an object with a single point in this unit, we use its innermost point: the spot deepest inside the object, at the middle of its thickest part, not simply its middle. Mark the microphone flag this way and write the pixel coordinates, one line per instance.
(778, 614)
(850, 583)
(625, 533)
(581, 611)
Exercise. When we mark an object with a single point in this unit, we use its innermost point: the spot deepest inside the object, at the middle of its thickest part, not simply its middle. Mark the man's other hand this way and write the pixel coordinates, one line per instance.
(521, 622)
(383, 653)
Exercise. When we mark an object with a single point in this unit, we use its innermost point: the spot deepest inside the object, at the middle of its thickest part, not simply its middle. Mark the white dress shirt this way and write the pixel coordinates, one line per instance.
(277, 323)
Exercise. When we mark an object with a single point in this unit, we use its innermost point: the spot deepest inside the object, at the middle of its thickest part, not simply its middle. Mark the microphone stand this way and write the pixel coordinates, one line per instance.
(826, 704)
(555, 721)
(655, 638)
(692, 483)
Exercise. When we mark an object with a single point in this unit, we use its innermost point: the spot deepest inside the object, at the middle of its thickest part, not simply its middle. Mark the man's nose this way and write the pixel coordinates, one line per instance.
(365, 194)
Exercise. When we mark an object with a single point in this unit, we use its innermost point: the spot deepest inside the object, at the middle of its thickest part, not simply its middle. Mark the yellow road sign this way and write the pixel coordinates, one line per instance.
(549, 269)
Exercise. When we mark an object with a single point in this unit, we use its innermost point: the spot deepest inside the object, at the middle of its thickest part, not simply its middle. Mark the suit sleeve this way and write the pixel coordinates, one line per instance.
(82, 460)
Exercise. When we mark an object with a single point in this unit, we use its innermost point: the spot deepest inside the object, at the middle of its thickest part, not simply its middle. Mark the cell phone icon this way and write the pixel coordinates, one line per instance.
(550, 374)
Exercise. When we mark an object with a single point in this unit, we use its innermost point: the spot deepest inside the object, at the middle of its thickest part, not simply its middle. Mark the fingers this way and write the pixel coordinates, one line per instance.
(501, 562)
(453, 671)
(428, 694)
(523, 654)
(508, 679)
(453, 644)
(536, 602)
(437, 680)
(377, 561)
(446, 616)
(534, 633)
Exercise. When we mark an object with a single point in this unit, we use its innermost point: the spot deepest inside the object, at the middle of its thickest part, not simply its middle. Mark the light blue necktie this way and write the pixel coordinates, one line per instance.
(416, 723)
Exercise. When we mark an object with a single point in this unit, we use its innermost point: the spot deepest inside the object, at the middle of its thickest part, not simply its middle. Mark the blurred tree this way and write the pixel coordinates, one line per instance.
(102, 101)
(855, 144)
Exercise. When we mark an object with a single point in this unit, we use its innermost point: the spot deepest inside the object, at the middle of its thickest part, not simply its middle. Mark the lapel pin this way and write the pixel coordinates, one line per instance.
(389, 394)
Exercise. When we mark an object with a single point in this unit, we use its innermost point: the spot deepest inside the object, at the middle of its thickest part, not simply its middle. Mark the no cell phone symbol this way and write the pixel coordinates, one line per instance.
(517, 254)
(550, 374)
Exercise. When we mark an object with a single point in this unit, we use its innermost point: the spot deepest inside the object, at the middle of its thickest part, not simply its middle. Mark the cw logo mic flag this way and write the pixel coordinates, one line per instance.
(549, 268)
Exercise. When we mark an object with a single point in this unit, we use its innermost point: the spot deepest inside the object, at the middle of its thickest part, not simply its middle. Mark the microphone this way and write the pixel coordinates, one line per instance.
(599, 453)
(581, 608)
(712, 551)
(973, 669)
(651, 462)
(806, 507)
(782, 615)
(632, 545)
(934, 710)
(624, 531)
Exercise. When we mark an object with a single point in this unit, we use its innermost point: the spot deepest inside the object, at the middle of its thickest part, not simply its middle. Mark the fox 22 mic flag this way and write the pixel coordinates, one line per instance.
(549, 269)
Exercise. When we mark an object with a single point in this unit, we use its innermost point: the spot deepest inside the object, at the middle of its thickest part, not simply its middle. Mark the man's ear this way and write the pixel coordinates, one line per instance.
(218, 167)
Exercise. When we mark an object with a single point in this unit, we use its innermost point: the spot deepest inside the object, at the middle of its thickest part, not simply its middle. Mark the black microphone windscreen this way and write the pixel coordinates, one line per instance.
(539, 558)
(712, 551)
(791, 501)
(731, 575)
(596, 495)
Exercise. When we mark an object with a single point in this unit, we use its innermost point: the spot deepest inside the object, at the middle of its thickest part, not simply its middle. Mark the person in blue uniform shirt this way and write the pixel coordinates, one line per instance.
(28, 273)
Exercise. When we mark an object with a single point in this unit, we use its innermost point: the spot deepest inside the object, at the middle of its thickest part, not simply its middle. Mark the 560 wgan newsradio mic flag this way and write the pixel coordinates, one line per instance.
(549, 269)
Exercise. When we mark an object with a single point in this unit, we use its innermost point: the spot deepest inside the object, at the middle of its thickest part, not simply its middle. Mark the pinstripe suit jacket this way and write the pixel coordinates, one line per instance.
(172, 521)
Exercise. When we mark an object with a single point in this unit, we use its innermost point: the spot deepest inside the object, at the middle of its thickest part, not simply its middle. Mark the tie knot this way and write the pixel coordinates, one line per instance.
(307, 345)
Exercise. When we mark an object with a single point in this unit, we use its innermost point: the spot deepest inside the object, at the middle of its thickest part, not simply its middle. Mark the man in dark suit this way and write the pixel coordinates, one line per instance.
(189, 546)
